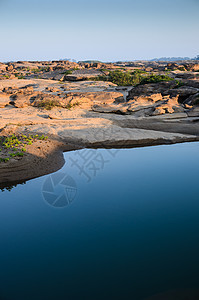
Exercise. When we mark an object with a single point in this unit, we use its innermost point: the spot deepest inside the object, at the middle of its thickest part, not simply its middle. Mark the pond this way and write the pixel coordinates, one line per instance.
(111, 224)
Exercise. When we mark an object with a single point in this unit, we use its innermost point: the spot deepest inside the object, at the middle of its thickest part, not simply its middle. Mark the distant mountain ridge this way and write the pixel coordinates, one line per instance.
(171, 58)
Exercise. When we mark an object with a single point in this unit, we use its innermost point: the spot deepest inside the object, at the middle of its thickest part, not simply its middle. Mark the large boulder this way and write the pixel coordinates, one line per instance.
(143, 102)
(144, 106)
(151, 88)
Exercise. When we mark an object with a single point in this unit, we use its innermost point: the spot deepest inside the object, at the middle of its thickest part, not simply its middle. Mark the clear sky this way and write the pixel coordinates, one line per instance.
(106, 30)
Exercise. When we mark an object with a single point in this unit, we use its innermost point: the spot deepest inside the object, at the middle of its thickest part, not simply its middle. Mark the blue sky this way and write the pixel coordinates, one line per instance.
(107, 30)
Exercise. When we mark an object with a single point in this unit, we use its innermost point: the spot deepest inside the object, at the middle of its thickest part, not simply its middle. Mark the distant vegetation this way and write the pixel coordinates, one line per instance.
(89, 61)
(171, 58)
(131, 78)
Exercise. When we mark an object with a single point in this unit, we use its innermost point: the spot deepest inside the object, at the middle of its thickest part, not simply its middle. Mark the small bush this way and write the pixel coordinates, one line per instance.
(179, 83)
(68, 72)
(20, 77)
(35, 70)
(69, 106)
(47, 104)
(182, 69)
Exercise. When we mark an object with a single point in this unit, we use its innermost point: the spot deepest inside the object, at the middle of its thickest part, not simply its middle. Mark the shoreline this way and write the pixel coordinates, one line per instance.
(90, 114)
(52, 160)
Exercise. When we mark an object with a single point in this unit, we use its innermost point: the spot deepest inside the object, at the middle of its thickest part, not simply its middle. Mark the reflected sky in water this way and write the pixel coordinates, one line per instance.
(111, 224)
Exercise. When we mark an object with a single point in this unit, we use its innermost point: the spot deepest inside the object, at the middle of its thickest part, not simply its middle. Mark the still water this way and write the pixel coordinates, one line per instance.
(111, 224)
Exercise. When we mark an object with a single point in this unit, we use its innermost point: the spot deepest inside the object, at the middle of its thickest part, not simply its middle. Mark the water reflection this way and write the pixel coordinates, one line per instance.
(132, 232)
(10, 186)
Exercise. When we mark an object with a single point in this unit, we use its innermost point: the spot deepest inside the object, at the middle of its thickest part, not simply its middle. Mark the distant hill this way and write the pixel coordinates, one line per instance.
(170, 58)
(90, 61)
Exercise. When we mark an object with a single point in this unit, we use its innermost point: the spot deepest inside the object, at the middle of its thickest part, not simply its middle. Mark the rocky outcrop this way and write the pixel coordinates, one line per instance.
(83, 75)
(51, 97)
(171, 98)
(84, 116)
(2, 67)
(153, 105)
(4, 100)
(152, 88)
(193, 99)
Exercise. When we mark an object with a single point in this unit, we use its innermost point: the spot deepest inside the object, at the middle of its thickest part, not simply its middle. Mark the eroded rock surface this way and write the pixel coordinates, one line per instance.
(77, 114)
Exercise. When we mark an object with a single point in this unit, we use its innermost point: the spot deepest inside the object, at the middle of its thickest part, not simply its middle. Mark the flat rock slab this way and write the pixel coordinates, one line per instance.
(111, 136)
(87, 128)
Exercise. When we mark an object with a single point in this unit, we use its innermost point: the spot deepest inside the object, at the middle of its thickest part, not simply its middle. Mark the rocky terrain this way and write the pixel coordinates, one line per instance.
(94, 105)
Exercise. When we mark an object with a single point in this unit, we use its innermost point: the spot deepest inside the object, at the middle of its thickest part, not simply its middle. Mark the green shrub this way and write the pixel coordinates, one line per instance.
(155, 78)
(35, 70)
(134, 78)
(48, 104)
(179, 83)
(117, 77)
(182, 69)
(15, 146)
(69, 106)
(120, 78)
(68, 72)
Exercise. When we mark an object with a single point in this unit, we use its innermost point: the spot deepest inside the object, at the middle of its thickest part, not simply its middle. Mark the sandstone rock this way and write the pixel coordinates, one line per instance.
(2, 67)
(21, 98)
(8, 130)
(86, 100)
(139, 103)
(184, 91)
(192, 66)
(82, 75)
(9, 68)
(186, 75)
(151, 88)
(143, 106)
(170, 106)
(172, 66)
(52, 90)
(9, 89)
(156, 97)
(195, 67)
(116, 109)
(192, 83)
(194, 112)
(158, 107)
(192, 100)
(4, 100)
(21, 101)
